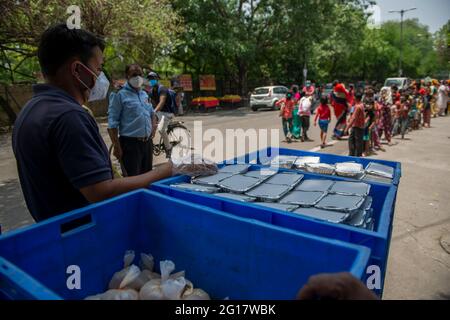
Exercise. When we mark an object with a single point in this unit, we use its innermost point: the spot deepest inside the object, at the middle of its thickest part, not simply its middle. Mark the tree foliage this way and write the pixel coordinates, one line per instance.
(248, 42)
(135, 31)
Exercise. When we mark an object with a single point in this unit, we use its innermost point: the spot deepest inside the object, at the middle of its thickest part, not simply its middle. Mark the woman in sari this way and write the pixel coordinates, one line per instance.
(385, 121)
(339, 101)
(296, 120)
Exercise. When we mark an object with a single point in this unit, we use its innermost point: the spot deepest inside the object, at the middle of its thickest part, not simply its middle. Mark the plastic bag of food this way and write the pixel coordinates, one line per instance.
(172, 289)
(193, 166)
(147, 262)
(131, 275)
(166, 267)
(120, 275)
(146, 274)
(152, 291)
(196, 294)
(128, 294)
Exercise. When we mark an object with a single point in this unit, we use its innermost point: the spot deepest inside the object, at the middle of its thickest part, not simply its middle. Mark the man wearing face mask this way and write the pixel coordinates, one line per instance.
(62, 160)
(131, 115)
(164, 101)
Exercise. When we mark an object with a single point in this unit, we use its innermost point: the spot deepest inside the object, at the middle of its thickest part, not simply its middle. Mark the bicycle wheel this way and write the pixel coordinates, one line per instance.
(180, 139)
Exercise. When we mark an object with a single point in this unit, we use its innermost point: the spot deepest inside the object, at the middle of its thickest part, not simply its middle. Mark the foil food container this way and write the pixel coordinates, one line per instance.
(341, 203)
(303, 198)
(262, 174)
(301, 162)
(239, 183)
(321, 168)
(359, 219)
(237, 197)
(278, 206)
(288, 179)
(351, 188)
(235, 168)
(349, 169)
(286, 162)
(373, 178)
(195, 187)
(315, 185)
(269, 192)
(380, 170)
(212, 180)
(324, 215)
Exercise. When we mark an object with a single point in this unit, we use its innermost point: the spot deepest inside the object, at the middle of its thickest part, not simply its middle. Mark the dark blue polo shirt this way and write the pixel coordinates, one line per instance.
(59, 150)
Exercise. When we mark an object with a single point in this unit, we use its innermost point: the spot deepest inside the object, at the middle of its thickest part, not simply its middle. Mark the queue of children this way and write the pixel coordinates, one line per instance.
(365, 116)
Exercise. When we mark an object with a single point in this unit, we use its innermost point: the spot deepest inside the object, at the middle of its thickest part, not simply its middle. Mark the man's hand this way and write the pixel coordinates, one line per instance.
(153, 134)
(341, 286)
(118, 151)
(315, 124)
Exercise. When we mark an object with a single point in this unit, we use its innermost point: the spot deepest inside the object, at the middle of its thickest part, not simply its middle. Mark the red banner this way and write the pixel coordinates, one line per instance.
(185, 81)
(207, 83)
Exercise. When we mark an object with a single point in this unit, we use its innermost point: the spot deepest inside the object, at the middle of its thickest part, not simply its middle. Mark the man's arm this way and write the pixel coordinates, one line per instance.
(154, 125)
(114, 135)
(114, 114)
(162, 102)
(111, 188)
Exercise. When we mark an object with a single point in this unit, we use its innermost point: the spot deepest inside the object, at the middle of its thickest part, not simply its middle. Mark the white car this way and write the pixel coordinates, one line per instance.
(401, 83)
(267, 97)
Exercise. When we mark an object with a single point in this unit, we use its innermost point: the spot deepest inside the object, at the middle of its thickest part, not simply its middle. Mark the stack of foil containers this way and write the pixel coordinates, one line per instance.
(342, 202)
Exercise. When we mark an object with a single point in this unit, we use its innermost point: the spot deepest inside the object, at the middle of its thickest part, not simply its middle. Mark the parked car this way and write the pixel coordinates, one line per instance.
(267, 97)
(401, 83)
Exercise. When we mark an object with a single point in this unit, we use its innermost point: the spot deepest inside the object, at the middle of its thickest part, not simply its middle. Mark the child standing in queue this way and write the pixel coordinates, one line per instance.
(286, 109)
(323, 114)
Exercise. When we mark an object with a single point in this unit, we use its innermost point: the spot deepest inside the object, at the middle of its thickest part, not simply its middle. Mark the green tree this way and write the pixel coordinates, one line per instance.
(135, 31)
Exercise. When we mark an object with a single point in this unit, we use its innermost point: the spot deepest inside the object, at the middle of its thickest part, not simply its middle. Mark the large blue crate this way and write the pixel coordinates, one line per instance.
(226, 255)
(263, 155)
(384, 197)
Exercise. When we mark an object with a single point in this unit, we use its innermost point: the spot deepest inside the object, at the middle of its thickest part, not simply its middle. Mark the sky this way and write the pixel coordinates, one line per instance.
(433, 13)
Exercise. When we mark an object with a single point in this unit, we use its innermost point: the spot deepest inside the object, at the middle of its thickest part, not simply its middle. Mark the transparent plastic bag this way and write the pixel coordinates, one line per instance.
(147, 262)
(145, 274)
(196, 294)
(152, 290)
(166, 267)
(114, 294)
(120, 275)
(172, 289)
(193, 166)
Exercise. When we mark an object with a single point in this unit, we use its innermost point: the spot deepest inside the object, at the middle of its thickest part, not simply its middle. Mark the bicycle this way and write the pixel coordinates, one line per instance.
(179, 138)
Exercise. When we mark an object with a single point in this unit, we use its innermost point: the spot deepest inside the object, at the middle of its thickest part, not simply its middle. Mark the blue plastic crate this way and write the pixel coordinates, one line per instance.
(262, 156)
(225, 255)
(384, 197)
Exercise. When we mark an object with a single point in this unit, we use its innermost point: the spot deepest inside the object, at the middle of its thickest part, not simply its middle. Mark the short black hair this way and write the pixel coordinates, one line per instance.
(358, 96)
(58, 44)
(324, 99)
(129, 66)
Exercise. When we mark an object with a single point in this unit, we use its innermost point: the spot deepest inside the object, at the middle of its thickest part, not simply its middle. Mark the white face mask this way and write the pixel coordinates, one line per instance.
(100, 89)
(136, 82)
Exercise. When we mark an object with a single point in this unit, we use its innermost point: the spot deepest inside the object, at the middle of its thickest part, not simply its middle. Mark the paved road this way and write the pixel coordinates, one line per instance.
(419, 267)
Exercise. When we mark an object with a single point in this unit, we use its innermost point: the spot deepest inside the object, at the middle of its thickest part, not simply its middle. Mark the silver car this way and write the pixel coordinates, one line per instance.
(267, 97)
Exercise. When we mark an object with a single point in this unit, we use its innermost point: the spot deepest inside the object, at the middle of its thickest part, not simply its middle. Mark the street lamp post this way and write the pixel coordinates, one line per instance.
(402, 13)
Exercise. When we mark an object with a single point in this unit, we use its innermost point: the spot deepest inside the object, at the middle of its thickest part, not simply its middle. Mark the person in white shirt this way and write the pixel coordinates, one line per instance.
(442, 98)
(304, 112)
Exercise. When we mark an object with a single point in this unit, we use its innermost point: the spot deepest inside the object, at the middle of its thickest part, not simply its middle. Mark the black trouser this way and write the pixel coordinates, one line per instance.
(137, 155)
(356, 142)
(305, 126)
